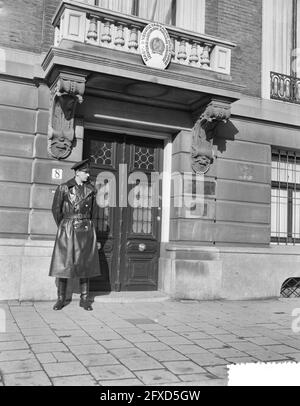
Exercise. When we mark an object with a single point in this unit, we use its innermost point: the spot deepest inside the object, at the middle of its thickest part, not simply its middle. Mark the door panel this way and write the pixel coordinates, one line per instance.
(140, 248)
(128, 234)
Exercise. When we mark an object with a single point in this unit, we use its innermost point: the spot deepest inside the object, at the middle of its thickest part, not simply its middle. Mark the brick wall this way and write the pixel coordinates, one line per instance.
(48, 31)
(239, 21)
(26, 24)
(211, 17)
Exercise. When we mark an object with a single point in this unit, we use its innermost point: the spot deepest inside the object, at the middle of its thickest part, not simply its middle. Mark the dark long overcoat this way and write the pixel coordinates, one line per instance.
(75, 253)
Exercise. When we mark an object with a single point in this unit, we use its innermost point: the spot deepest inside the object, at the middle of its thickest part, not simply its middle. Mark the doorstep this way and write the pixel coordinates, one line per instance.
(129, 297)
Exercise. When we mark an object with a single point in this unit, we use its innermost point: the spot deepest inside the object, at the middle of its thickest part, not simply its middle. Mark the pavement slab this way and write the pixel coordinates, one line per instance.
(141, 363)
(87, 349)
(207, 359)
(46, 358)
(65, 369)
(175, 340)
(169, 355)
(218, 371)
(196, 335)
(281, 349)
(157, 377)
(153, 346)
(228, 352)
(176, 343)
(104, 335)
(26, 365)
(263, 341)
(163, 333)
(129, 331)
(241, 360)
(63, 356)
(36, 331)
(10, 337)
(90, 360)
(111, 372)
(122, 382)
(183, 367)
(38, 378)
(197, 377)
(15, 355)
(76, 380)
(127, 353)
(48, 347)
(189, 349)
(77, 340)
(51, 338)
(112, 344)
(294, 356)
(209, 343)
(13, 345)
(140, 338)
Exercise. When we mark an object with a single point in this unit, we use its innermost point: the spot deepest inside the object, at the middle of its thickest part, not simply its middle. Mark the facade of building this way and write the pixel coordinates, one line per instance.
(192, 105)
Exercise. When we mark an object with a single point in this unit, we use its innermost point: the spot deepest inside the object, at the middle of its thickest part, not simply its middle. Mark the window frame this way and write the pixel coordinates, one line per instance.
(266, 51)
(136, 7)
(289, 157)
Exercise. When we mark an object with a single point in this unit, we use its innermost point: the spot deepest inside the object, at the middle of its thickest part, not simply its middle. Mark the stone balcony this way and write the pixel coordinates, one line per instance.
(100, 50)
(107, 29)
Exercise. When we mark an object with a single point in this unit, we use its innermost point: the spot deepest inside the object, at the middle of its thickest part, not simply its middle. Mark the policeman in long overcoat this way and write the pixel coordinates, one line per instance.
(75, 253)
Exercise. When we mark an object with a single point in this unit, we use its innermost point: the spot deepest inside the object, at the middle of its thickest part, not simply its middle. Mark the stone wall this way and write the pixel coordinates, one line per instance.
(237, 190)
(27, 228)
(18, 102)
(231, 273)
(26, 183)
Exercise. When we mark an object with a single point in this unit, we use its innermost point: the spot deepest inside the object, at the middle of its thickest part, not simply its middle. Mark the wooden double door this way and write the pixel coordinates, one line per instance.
(128, 210)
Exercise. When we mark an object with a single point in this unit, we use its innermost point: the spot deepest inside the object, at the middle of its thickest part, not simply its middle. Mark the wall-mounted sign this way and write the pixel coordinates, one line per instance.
(156, 46)
(57, 174)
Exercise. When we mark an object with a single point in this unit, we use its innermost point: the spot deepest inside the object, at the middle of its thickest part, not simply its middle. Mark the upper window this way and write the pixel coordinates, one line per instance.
(281, 49)
(186, 14)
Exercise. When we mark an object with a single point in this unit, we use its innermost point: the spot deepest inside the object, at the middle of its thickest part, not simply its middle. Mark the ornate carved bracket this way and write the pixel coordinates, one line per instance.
(203, 132)
(66, 92)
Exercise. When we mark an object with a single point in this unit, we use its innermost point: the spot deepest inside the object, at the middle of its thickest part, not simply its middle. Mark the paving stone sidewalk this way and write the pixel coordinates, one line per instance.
(178, 343)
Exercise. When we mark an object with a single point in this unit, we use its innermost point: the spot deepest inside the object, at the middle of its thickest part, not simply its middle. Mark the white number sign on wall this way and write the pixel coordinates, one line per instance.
(57, 174)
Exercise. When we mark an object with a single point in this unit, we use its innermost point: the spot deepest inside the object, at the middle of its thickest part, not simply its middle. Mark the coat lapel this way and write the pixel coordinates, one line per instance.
(77, 194)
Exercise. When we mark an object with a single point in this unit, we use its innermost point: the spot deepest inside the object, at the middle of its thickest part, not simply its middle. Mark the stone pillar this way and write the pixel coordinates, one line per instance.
(190, 265)
(193, 213)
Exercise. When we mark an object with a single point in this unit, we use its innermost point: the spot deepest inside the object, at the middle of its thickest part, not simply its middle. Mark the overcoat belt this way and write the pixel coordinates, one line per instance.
(75, 253)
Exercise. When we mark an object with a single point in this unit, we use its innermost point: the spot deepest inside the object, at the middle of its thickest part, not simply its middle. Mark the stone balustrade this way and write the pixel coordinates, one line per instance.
(104, 28)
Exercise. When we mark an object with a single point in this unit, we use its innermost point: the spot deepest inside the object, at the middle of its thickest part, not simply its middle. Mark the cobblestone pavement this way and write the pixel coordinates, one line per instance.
(178, 343)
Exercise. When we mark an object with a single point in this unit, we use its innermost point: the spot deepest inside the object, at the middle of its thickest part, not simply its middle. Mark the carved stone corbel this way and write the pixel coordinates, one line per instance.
(66, 93)
(203, 132)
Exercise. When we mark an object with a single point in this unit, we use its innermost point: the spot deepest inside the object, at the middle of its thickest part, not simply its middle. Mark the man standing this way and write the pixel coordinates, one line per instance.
(75, 253)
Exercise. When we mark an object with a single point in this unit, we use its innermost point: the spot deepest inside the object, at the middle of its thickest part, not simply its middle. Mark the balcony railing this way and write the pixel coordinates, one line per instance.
(104, 28)
(285, 88)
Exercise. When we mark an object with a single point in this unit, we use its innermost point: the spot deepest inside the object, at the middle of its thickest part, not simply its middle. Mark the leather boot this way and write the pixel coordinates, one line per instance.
(61, 294)
(84, 295)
